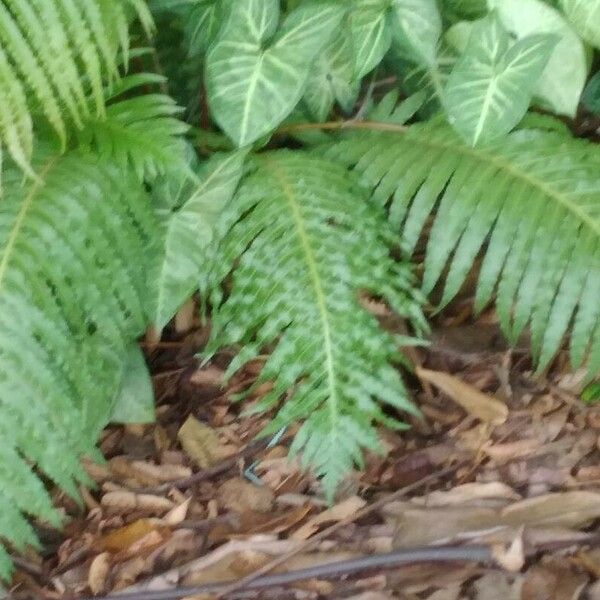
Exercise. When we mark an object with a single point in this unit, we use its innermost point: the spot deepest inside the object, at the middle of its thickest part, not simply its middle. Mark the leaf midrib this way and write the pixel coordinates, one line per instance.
(11, 242)
(475, 153)
(316, 285)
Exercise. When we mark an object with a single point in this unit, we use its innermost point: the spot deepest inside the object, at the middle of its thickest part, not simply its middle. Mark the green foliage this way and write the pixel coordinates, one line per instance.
(254, 80)
(188, 217)
(491, 86)
(584, 15)
(533, 214)
(54, 57)
(74, 244)
(300, 266)
(560, 85)
(109, 220)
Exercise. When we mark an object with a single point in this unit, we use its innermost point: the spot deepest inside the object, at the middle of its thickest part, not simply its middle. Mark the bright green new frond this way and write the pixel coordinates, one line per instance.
(54, 57)
(530, 203)
(140, 132)
(308, 241)
(74, 248)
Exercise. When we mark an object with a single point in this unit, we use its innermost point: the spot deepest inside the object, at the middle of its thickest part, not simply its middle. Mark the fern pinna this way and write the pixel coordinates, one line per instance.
(531, 203)
(302, 262)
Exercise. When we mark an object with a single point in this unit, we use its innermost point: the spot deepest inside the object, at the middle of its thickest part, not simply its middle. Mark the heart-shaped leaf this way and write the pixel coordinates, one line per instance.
(253, 81)
(490, 87)
(584, 15)
(560, 85)
(417, 27)
(188, 231)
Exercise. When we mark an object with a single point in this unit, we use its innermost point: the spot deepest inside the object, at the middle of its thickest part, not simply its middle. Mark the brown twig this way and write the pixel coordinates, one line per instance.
(326, 571)
(249, 451)
(313, 541)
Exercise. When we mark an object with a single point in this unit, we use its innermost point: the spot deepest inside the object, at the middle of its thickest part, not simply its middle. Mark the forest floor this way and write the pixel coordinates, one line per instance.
(493, 495)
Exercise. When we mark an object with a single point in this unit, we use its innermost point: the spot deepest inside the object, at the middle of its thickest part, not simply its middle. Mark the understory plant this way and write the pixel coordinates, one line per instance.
(283, 159)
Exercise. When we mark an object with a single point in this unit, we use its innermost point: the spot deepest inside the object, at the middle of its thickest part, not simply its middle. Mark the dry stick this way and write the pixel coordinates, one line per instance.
(326, 571)
(337, 125)
(250, 450)
(312, 542)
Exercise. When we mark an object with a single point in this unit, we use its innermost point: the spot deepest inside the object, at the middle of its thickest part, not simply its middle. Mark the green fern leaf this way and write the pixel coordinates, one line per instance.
(302, 262)
(490, 87)
(188, 232)
(74, 248)
(139, 132)
(54, 57)
(253, 83)
(530, 203)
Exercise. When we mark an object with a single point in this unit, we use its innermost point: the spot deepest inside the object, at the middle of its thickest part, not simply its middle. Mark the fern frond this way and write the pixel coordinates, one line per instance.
(307, 241)
(54, 57)
(74, 249)
(140, 132)
(530, 203)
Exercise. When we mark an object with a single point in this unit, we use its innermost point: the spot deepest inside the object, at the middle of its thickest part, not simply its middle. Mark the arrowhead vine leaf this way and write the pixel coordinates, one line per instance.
(256, 72)
(584, 15)
(188, 232)
(490, 87)
(302, 210)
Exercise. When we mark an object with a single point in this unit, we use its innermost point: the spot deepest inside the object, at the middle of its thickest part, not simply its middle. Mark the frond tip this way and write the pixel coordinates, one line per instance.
(530, 203)
(302, 262)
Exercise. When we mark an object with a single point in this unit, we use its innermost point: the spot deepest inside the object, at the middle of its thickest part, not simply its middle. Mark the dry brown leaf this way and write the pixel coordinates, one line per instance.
(200, 442)
(178, 514)
(122, 538)
(469, 492)
(497, 586)
(123, 501)
(566, 509)
(338, 512)
(161, 473)
(241, 496)
(476, 403)
(553, 581)
(98, 573)
(511, 450)
(512, 558)
(419, 527)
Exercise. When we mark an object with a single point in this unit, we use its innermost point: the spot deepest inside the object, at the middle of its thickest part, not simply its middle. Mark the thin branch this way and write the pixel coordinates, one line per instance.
(338, 125)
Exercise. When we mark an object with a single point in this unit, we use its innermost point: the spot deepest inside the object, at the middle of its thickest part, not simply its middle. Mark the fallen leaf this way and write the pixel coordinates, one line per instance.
(122, 538)
(512, 558)
(461, 494)
(566, 509)
(497, 586)
(98, 573)
(178, 514)
(241, 496)
(200, 442)
(476, 403)
(123, 501)
(340, 511)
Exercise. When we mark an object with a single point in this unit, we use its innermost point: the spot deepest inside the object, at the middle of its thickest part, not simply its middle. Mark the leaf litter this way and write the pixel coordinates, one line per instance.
(510, 461)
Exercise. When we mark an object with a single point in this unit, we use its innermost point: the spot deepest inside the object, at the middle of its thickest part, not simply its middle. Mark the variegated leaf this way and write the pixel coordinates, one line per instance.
(584, 15)
(371, 34)
(490, 88)
(332, 78)
(188, 230)
(254, 83)
(417, 27)
(560, 85)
